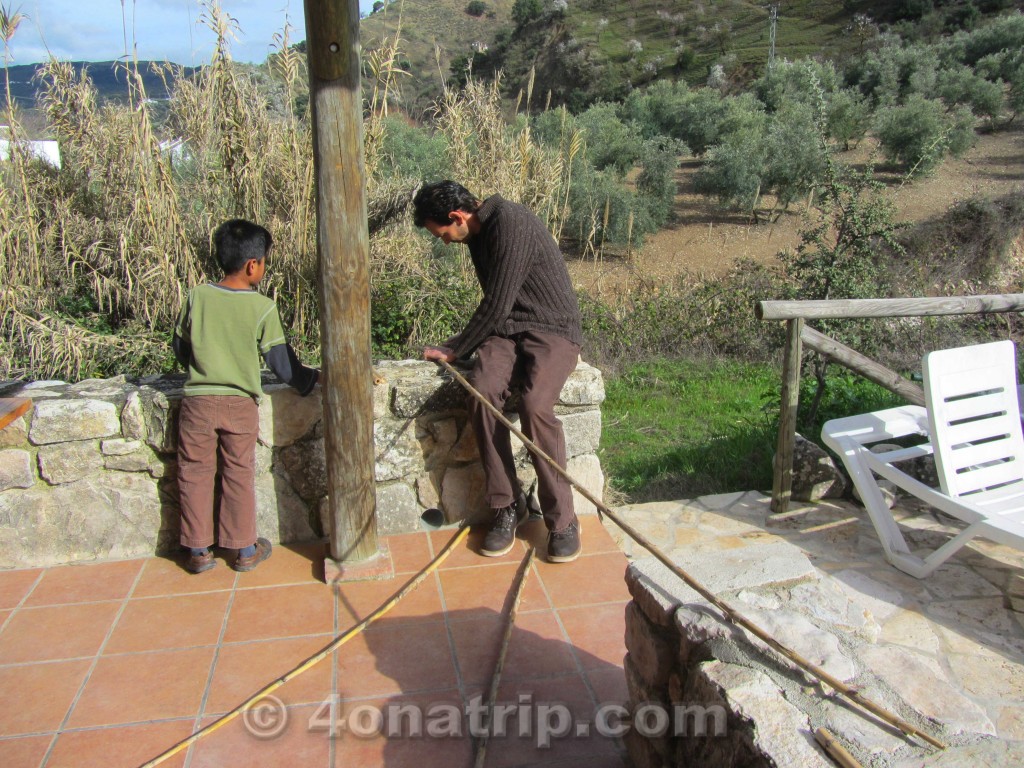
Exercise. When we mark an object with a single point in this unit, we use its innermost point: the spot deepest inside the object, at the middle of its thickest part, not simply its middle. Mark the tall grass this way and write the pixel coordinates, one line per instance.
(97, 256)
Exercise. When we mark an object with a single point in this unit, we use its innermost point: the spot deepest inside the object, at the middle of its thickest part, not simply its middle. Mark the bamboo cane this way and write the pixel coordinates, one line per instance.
(492, 697)
(318, 656)
(730, 613)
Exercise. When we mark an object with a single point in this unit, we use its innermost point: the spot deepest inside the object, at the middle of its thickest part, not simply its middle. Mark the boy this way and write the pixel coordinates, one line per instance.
(221, 332)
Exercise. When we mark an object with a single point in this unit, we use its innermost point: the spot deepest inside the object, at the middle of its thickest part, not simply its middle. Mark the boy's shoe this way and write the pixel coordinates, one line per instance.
(262, 553)
(564, 546)
(200, 563)
(502, 535)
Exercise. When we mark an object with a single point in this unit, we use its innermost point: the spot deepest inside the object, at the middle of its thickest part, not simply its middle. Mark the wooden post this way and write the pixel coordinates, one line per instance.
(862, 364)
(782, 477)
(343, 247)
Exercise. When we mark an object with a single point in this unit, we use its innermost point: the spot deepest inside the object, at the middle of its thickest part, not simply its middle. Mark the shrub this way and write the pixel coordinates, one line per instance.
(920, 133)
(656, 184)
(525, 11)
(734, 168)
(847, 117)
(610, 142)
(476, 8)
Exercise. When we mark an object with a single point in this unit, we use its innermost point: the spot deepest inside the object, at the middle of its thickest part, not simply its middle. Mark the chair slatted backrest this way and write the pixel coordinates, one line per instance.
(973, 413)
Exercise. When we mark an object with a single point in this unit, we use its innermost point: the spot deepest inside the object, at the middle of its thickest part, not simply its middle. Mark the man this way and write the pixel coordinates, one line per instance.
(527, 324)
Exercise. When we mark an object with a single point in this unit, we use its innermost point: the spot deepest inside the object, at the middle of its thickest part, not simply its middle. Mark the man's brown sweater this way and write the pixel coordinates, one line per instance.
(525, 283)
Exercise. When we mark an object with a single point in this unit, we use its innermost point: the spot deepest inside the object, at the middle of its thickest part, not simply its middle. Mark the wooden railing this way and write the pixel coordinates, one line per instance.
(795, 313)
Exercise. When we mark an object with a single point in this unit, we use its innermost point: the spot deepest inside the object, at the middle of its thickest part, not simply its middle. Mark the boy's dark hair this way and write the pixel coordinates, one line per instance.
(236, 241)
(435, 201)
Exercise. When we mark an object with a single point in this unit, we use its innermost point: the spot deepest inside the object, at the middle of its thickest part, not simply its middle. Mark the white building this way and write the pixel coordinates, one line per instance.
(47, 150)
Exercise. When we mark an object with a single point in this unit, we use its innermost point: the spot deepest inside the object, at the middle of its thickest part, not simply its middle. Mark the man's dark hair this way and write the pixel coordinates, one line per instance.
(236, 241)
(435, 201)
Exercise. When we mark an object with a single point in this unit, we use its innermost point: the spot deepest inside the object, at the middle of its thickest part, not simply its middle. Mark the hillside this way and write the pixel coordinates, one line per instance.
(433, 33)
(599, 49)
(704, 240)
(107, 76)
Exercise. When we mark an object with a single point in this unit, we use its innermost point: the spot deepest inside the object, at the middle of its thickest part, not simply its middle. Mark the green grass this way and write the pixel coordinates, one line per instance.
(676, 429)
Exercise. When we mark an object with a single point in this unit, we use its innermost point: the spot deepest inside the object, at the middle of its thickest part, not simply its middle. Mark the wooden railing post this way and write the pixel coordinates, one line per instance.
(782, 476)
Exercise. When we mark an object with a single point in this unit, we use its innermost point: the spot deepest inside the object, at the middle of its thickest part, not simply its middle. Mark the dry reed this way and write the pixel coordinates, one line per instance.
(97, 256)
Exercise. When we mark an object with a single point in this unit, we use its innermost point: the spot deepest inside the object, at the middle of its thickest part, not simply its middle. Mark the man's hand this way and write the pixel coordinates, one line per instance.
(439, 353)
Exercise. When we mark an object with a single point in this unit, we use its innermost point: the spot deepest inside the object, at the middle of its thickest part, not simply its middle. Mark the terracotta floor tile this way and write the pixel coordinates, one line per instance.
(121, 747)
(4, 614)
(296, 745)
(292, 611)
(159, 623)
(590, 580)
(410, 552)
(389, 658)
(14, 585)
(587, 761)
(568, 695)
(243, 668)
(597, 632)
(166, 576)
(24, 752)
(47, 691)
(57, 632)
(595, 536)
(358, 599)
(538, 648)
(483, 590)
(609, 685)
(91, 582)
(137, 687)
(477, 644)
(467, 553)
(416, 732)
(297, 563)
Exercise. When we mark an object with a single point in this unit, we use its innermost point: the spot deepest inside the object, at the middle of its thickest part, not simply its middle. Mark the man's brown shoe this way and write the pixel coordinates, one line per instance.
(262, 553)
(200, 563)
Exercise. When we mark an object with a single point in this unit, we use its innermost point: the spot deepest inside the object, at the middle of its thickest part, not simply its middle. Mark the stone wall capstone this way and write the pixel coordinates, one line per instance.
(90, 472)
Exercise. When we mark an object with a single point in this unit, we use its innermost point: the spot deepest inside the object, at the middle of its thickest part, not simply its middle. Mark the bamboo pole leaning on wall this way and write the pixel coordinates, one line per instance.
(343, 246)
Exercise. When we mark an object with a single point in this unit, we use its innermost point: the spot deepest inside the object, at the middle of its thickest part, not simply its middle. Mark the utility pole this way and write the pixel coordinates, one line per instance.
(343, 248)
(773, 19)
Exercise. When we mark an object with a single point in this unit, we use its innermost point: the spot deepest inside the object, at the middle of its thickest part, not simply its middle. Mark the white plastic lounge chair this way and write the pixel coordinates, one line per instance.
(972, 426)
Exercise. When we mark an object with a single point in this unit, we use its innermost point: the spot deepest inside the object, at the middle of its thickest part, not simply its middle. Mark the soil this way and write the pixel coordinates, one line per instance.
(705, 240)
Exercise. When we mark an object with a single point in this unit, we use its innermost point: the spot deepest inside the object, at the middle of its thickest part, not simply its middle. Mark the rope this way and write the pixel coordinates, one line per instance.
(730, 613)
(318, 656)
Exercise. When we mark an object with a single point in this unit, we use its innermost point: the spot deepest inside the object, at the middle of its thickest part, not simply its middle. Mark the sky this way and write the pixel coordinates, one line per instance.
(97, 30)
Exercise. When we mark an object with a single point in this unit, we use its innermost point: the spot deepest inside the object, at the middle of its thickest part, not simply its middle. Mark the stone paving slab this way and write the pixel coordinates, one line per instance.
(945, 652)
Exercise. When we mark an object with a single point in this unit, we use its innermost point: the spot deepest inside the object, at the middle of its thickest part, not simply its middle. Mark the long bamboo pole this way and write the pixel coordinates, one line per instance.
(730, 613)
(317, 657)
(499, 666)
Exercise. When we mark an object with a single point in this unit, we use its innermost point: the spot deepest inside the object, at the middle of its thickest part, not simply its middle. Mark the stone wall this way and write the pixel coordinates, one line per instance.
(90, 471)
(945, 654)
